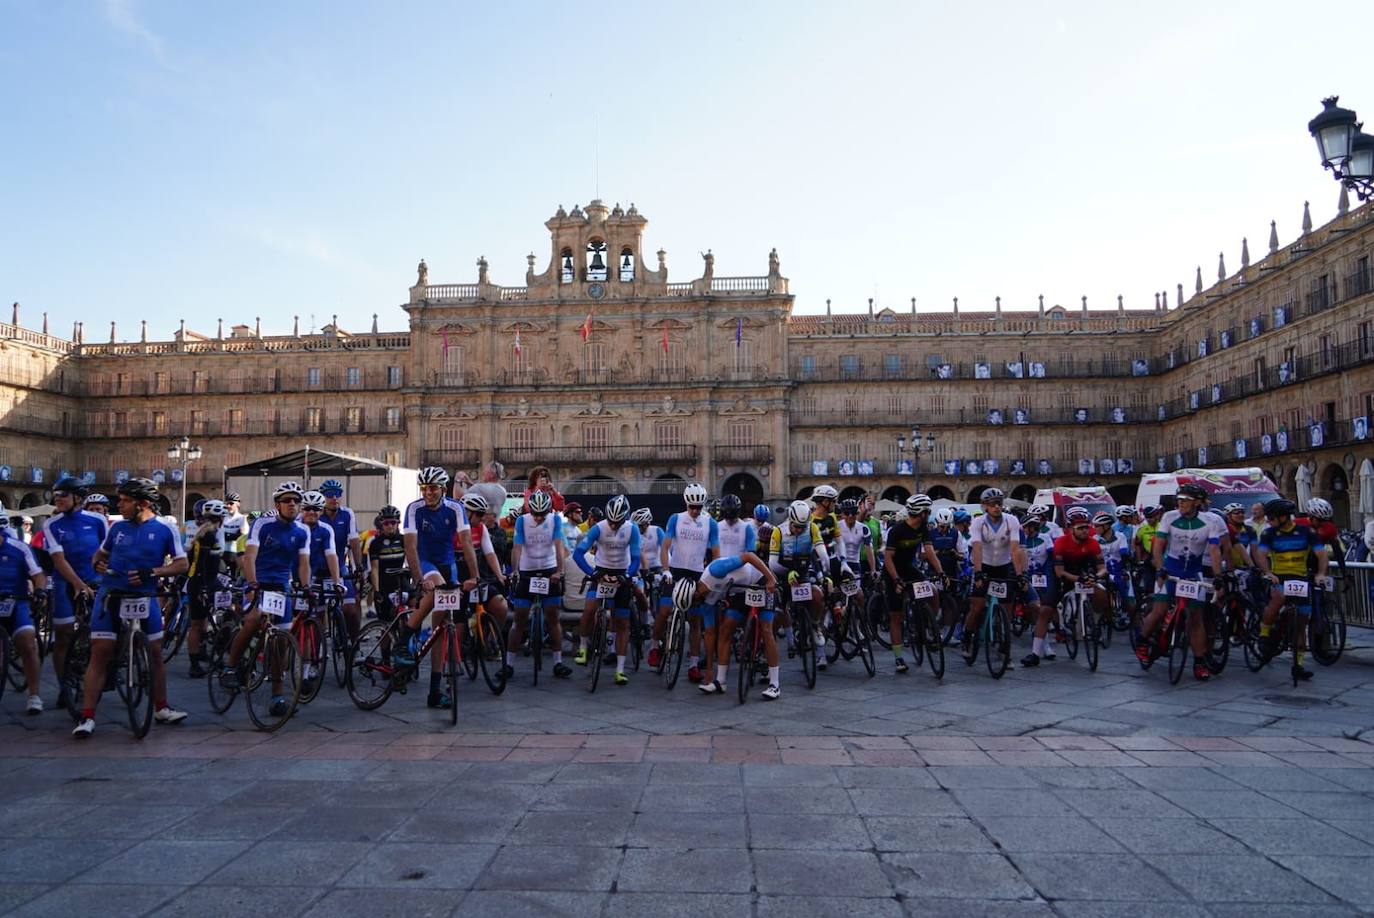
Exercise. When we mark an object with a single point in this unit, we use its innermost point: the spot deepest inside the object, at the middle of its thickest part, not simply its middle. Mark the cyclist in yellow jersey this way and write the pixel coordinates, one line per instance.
(791, 551)
(1283, 554)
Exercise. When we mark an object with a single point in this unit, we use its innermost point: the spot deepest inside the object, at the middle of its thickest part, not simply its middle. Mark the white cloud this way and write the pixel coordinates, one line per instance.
(121, 15)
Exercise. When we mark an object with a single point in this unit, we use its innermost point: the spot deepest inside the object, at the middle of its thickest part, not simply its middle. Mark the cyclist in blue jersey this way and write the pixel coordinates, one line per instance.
(138, 549)
(616, 541)
(324, 555)
(349, 546)
(20, 578)
(71, 537)
(431, 527)
(278, 550)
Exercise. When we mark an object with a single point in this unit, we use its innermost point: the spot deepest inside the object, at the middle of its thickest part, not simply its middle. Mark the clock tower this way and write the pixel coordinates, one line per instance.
(596, 253)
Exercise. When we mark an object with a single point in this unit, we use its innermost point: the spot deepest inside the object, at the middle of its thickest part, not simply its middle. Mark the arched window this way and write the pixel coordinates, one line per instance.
(596, 261)
(566, 271)
(627, 265)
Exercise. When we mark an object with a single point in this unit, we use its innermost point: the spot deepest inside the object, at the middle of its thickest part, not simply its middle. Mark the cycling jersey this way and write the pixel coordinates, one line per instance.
(1290, 548)
(1125, 530)
(435, 530)
(997, 538)
(1078, 557)
(321, 549)
(1114, 548)
(1242, 537)
(388, 553)
(1145, 532)
(280, 543)
(736, 538)
(616, 549)
(205, 555)
(904, 540)
(828, 524)
(793, 550)
(875, 529)
(1331, 537)
(135, 547)
(538, 551)
(691, 539)
(650, 540)
(232, 529)
(17, 565)
(852, 540)
(76, 536)
(344, 522)
(946, 542)
(1039, 551)
(1186, 541)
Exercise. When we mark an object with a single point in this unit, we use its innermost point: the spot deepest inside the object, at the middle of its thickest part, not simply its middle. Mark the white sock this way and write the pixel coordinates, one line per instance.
(558, 656)
(510, 658)
(1038, 647)
(721, 670)
(581, 643)
(619, 663)
(773, 674)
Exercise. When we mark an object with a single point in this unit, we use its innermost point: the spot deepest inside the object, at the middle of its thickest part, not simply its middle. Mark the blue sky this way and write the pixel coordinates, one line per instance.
(168, 159)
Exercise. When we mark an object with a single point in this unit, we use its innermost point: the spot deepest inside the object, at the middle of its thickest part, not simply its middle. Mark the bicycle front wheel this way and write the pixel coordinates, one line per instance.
(929, 636)
(674, 645)
(308, 640)
(879, 617)
(450, 635)
(1092, 635)
(490, 656)
(805, 639)
(858, 631)
(1326, 635)
(138, 687)
(1069, 613)
(275, 690)
(220, 640)
(745, 658)
(6, 652)
(597, 651)
(536, 639)
(1178, 649)
(74, 676)
(176, 622)
(340, 649)
(999, 642)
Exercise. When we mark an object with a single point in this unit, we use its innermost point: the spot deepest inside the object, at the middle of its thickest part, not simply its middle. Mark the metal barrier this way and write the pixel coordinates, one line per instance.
(1352, 583)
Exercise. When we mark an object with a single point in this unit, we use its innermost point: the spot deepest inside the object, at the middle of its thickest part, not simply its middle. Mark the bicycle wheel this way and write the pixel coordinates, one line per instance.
(929, 635)
(74, 676)
(450, 635)
(371, 672)
(835, 641)
(1296, 626)
(999, 642)
(879, 617)
(340, 647)
(468, 645)
(1092, 629)
(675, 646)
(1326, 633)
(175, 622)
(597, 652)
(217, 650)
(536, 637)
(805, 640)
(1105, 627)
(1218, 639)
(1178, 649)
(275, 691)
(1069, 624)
(975, 637)
(858, 631)
(1018, 620)
(14, 669)
(6, 652)
(311, 650)
(746, 656)
(138, 686)
(910, 632)
(1254, 660)
(490, 654)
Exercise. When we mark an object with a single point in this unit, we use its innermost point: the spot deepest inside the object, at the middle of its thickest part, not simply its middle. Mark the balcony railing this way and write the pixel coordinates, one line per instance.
(596, 455)
(171, 428)
(452, 458)
(752, 454)
(327, 380)
(1251, 450)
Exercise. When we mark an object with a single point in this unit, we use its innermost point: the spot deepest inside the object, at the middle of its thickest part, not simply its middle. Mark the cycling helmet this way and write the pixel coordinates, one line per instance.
(730, 506)
(595, 515)
(1041, 510)
(713, 508)
(312, 500)
(1319, 509)
(824, 492)
(684, 592)
(694, 495)
(992, 496)
(232, 497)
(1150, 510)
(389, 513)
(1102, 519)
(961, 516)
(1237, 508)
(1077, 515)
(848, 506)
(432, 475)
(1280, 507)
(97, 499)
(197, 508)
(799, 512)
(1032, 519)
(917, 503)
(1125, 512)
(285, 489)
(944, 517)
(138, 489)
(643, 517)
(540, 502)
(69, 485)
(1192, 491)
(617, 509)
(572, 506)
(213, 509)
(332, 487)
(474, 503)
(761, 513)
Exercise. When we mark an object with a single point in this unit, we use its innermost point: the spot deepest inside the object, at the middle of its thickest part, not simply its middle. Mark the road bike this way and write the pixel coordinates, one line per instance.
(993, 632)
(797, 610)
(920, 628)
(749, 640)
(674, 646)
(483, 642)
(849, 628)
(270, 672)
(375, 671)
(1078, 623)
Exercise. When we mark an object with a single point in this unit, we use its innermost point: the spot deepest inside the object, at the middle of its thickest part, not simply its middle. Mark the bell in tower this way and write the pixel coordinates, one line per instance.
(596, 267)
(597, 263)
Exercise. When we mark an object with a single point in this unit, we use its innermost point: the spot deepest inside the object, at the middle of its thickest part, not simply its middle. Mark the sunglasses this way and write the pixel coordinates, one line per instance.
(1081, 526)
(288, 500)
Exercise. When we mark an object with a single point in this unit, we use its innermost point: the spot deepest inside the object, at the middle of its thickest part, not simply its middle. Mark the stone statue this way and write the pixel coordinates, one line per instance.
(662, 260)
(774, 267)
(710, 265)
(482, 270)
(668, 404)
(423, 271)
(523, 409)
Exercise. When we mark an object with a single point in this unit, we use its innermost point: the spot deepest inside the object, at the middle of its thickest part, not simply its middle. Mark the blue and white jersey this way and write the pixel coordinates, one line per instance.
(1126, 531)
(616, 549)
(1039, 551)
(135, 547)
(344, 522)
(690, 539)
(76, 536)
(1114, 550)
(650, 543)
(734, 539)
(280, 546)
(321, 548)
(539, 541)
(17, 565)
(435, 530)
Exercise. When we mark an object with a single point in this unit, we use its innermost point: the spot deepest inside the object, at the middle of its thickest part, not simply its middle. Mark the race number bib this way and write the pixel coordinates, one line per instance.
(223, 599)
(923, 590)
(997, 588)
(134, 609)
(539, 586)
(1040, 581)
(755, 598)
(302, 604)
(6, 608)
(801, 592)
(475, 595)
(1295, 588)
(1328, 584)
(849, 588)
(274, 604)
(605, 590)
(1083, 588)
(448, 600)
(1189, 589)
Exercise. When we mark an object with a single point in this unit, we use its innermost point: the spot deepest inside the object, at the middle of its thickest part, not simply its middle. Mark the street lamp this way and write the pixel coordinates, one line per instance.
(916, 452)
(183, 452)
(1344, 149)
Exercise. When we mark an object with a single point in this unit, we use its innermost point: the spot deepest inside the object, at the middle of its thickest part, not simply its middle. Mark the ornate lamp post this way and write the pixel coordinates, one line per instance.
(1344, 149)
(184, 453)
(915, 452)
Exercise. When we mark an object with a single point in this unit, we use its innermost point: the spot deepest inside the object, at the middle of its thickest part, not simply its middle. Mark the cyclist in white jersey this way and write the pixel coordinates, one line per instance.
(738, 566)
(650, 558)
(616, 541)
(690, 542)
(995, 545)
(538, 551)
(855, 540)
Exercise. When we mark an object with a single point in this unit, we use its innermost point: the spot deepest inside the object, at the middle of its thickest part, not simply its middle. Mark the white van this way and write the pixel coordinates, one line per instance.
(1224, 486)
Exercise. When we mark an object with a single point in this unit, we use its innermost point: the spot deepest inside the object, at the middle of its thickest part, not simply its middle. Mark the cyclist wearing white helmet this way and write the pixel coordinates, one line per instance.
(616, 541)
(691, 540)
(203, 581)
(538, 554)
(795, 548)
(823, 498)
(996, 553)
(907, 541)
(737, 569)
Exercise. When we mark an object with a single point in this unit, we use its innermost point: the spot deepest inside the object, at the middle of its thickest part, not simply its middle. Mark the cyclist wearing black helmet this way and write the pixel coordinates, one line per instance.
(1286, 551)
(71, 536)
(232, 531)
(387, 553)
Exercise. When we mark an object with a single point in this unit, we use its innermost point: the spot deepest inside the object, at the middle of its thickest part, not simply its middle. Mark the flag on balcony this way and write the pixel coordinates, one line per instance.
(665, 338)
(586, 330)
(739, 331)
(517, 342)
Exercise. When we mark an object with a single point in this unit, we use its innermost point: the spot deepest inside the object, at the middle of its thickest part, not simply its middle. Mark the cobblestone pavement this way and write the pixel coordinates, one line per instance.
(1053, 792)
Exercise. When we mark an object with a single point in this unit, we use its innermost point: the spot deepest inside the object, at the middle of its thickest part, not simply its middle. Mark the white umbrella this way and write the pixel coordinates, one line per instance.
(1304, 483)
(1367, 489)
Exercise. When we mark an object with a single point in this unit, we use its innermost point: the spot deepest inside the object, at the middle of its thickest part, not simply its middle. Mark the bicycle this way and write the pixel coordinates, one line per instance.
(373, 672)
(1078, 622)
(484, 646)
(1289, 627)
(1172, 637)
(921, 630)
(803, 631)
(749, 640)
(309, 636)
(850, 636)
(674, 646)
(176, 616)
(270, 658)
(994, 632)
(875, 607)
(1327, 630)
(133, 674)
(606, 589)
(340, 644)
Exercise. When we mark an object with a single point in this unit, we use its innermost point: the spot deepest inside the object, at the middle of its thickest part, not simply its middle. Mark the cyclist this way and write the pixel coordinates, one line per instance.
(20, 579)
(233, 528)
(1125, 524)
(905, 541)
(203, 581)
(1039, 549)
(538, 550)
(951, 547)
(97, 503)
(1046, 512)
(489, 565)
(1243, 538)
(1286, 550)
(691, 540)
(737, 568)
(277, 549)
(1184, 539)
(793, 550)
(347, 543)
(1319, 513)
(763, 523)
(386, 551)
(324, 562)
(996, 553)
(1142, 547)
(1116, 552)
(430, 527)
(71, 536)
(1077, 559)
(617, 558)
(650, 565)
(138, 549)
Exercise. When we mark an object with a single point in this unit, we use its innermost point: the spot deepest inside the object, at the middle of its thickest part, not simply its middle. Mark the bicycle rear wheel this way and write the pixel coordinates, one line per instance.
(1326, 636)
(1069, 624)
(176, 621)
(1218, 639)
(536, 638)
(340, 647)
(490, 654)
(879, 616)
(74, 676)
(911, 633)
(674, 645)
(1092, 635)
(1254, 659)
(311, 650)
(14, 669)
(805, 639)
(746, 656)
(1019, 620)
(138, 685)
(858, 630)
(929, 635)
(1178, 649)
(455, 650)
(598, 650)
(371, 672)
(217, 649)
(270, 706)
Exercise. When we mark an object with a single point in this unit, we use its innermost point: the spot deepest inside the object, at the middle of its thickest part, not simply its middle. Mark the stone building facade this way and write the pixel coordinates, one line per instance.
(618, 379)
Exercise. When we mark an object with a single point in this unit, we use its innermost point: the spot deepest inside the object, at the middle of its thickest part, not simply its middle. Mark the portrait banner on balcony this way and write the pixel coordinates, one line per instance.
(944, 371)
(1202, 347)
(1194, 399)
(159, 476)
(1161, 413)
(906, 467)
(1285, 373)
(1161, 464)
(982, 371)
(1014, 369)
(1140, 367)
(1359, 428)
(1106, 466)
(121, 476)
(1266, 444)
(1256, 327)
(951, 466)
(1037, 370)
(1044, 467)
(36, 475)
(6, 472)
(1202, 455)
(1316, 435)
(1280, 316)
(1085, 466)
(1118, 415)
(1021, 416)
(846, 468)
(176, 475)
(1178, 460)
(973, 467)
(1216, 393)
(995, 417)
(1018, 467)
(866, 467)
(820, 467)
(1125, 466)
(1281, 441)
(1080, 415)
(64, 473)
(88, 478)
(1240, 448)
(991, 467)
(1225, 339)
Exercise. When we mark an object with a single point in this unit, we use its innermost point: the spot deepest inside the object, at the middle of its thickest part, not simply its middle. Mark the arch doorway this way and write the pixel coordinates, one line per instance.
(1335, 487)
(668, 483)
(31, 499)
(746, 487)
(1023, 492)
(853, 492)
(940, 492)
(976, 495)
(191, 501)
(1123, 493)
(805, 493)
(897, 493)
